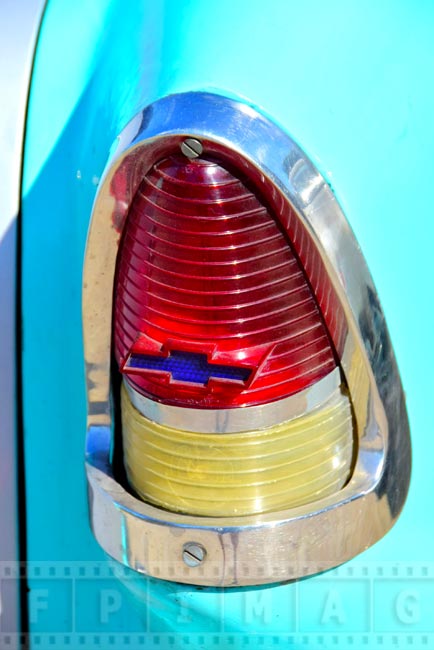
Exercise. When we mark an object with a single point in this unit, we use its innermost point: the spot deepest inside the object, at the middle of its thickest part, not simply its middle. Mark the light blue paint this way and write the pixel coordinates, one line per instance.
(352, 83)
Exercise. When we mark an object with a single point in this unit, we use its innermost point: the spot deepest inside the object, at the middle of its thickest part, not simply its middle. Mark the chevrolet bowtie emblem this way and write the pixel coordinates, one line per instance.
(186, 367)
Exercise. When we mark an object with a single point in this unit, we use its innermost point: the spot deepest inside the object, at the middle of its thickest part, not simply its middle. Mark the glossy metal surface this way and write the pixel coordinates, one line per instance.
(236, 419)
(295, 542)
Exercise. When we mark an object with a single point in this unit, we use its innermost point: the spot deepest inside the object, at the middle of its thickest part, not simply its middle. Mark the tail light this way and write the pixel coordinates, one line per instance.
(245, 331)
(212, 306)
(213, 309)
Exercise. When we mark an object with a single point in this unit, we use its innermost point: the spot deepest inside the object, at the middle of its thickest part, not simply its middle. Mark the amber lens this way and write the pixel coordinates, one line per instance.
(257, 471)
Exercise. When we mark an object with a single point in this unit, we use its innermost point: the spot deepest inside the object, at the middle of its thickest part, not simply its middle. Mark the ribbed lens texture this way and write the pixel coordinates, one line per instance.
(204, 268)
(217, 475)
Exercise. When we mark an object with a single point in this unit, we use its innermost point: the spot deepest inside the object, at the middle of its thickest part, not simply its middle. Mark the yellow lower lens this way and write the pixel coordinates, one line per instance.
(291, 464)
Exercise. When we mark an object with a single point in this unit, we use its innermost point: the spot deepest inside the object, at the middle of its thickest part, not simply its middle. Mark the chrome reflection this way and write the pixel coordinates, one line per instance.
(236, 420)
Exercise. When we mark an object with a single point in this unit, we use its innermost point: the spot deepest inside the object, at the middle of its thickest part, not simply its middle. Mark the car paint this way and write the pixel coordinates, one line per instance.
(18, 34)
(350, 82)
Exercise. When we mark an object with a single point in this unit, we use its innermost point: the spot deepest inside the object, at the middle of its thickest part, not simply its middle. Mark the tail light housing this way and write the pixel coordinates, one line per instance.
(232, 325)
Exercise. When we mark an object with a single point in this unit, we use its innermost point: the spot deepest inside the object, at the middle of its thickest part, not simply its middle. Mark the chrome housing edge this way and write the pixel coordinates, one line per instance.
(276, 546)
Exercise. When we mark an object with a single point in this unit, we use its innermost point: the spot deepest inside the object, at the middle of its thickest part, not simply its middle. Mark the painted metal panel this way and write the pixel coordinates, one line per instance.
(18, 32)
(351, 83)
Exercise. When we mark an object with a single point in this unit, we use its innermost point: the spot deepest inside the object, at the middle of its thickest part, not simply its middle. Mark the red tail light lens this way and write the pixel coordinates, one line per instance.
(212, 307)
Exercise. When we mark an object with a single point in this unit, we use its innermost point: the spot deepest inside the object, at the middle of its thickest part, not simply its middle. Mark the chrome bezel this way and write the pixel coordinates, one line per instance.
(275, 546)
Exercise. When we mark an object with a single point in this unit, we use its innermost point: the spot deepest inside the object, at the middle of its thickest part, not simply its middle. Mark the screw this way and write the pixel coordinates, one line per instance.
(191, 148)
(193, 554)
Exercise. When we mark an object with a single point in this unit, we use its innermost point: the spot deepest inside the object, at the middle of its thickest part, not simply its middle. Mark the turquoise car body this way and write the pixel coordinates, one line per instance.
(351, 82)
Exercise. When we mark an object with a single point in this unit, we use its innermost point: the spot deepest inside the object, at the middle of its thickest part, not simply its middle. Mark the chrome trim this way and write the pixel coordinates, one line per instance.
(236, 419)
(275, 546)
